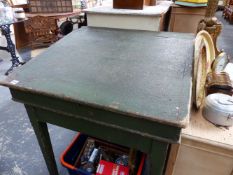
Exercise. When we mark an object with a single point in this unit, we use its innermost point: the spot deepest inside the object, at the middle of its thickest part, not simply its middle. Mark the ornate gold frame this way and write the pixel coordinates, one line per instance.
(211, 24)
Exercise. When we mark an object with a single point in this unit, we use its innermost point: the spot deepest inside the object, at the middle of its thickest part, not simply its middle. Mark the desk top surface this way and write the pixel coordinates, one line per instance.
(138, 73)
(201, 129)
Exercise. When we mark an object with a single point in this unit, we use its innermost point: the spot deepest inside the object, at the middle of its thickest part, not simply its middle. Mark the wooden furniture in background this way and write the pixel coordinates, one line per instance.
(150, 2)
(205, 149)
(55, 15)
(50, 6)
(150, 18)
(228, 11)
(185, 19)
(42, 31)
(132, 4)
(22, 38)
(129, 4)
(16, 4)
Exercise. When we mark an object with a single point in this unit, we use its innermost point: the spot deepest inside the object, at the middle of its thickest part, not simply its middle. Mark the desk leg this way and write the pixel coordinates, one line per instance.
(158, 157)
(42, 134)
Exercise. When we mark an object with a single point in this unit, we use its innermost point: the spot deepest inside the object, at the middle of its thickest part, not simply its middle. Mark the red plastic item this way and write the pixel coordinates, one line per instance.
(109, 168)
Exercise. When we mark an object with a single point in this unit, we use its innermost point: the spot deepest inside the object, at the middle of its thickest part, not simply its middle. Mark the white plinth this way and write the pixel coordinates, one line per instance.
(150, 18)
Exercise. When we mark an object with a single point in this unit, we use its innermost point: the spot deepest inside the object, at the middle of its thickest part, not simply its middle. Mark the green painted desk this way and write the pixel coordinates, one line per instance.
(128, 87)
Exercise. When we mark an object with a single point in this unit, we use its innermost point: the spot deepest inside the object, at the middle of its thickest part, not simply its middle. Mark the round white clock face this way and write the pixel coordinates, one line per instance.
(220, 62)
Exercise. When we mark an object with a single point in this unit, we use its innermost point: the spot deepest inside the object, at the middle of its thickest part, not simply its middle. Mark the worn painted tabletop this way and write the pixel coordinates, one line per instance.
(138, 73)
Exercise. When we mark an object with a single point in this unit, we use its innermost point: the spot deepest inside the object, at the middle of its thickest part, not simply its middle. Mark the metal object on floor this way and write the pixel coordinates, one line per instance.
(10, 48)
